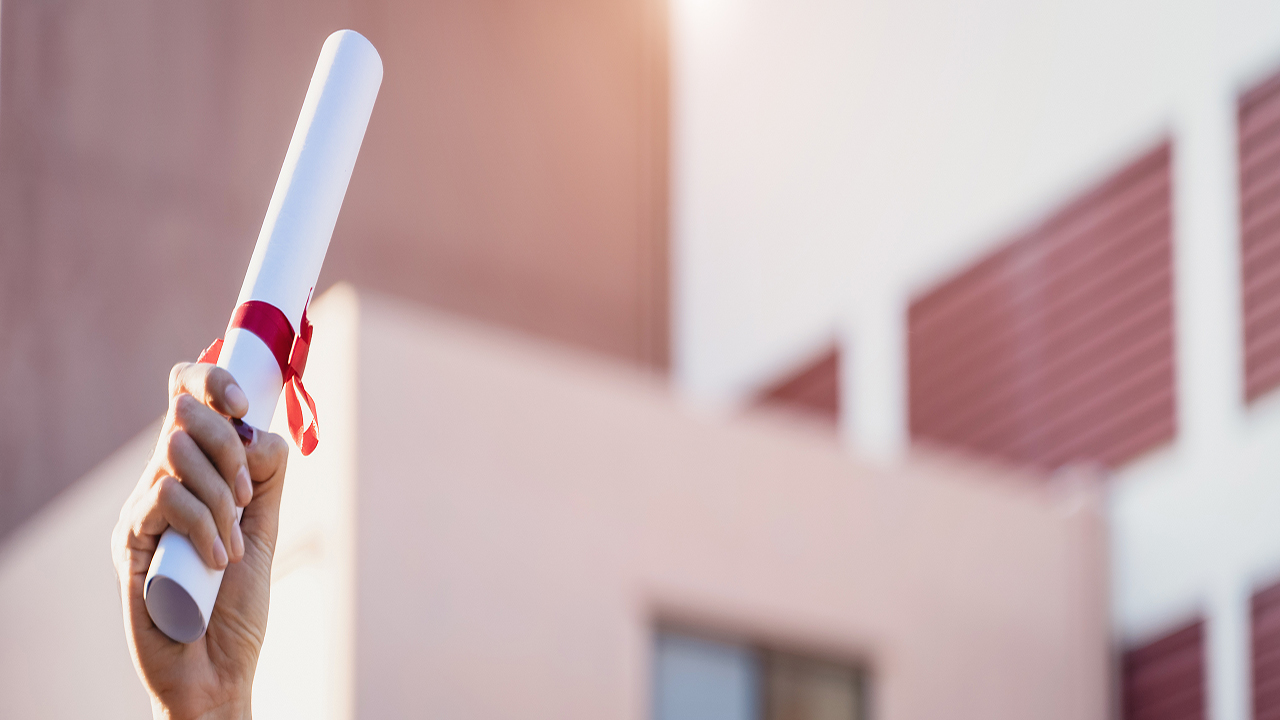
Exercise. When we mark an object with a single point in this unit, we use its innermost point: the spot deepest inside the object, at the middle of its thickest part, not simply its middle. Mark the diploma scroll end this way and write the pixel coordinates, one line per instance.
(180, 589)
(173, 610)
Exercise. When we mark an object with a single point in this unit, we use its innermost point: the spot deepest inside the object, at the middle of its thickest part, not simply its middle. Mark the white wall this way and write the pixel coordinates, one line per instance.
(828, 153)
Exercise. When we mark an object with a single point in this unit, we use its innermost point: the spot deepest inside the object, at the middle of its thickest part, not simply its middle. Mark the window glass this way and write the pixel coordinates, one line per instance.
(701, 679)
(804, 689)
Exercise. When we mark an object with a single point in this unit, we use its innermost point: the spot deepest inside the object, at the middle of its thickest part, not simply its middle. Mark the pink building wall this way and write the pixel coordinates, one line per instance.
(494, 527)
(526, 516)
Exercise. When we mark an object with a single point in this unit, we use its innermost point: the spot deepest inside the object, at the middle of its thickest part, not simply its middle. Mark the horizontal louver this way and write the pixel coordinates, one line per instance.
(1059, 346)
(813, 389)
(1266, 654)
(1260, 235)
(1164, 680)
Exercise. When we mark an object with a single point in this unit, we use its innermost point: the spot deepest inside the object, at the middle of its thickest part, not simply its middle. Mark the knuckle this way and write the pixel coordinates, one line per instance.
(175, 374)
(205, 529)
(277, 449)
(117, 539)
(227, 438)
(121, 538)
(176, 377)
(184, 405)
(218, 378)
(224, 506)
(174, 446)
(166, 489)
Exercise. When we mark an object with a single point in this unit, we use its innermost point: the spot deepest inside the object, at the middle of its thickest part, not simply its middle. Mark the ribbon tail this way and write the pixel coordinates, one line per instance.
(211, 353)
(305, 438)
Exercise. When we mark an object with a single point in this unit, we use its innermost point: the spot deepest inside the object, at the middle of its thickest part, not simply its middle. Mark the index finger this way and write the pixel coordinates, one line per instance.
(211, 385)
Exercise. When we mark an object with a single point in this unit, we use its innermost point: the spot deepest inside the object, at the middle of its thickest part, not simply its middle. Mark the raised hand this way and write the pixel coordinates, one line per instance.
(200, 473)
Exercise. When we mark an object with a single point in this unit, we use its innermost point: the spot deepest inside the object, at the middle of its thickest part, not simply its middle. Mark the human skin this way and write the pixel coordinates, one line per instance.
(200, 473)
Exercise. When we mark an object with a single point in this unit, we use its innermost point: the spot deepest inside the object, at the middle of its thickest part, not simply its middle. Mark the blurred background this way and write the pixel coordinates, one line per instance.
(676, 359)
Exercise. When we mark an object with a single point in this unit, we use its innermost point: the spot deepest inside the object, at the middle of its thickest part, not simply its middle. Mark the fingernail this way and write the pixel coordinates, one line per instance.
(244, 430)
(219, 553)
(236, 399)
(244, 487)
(237, 540)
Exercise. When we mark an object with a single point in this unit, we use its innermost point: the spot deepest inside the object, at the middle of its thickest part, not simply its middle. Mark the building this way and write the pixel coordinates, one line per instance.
(1016, 263)
(496, 527)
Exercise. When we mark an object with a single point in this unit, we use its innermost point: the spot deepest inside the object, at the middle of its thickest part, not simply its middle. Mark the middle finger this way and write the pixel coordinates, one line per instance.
(218, 440)
(188, 463)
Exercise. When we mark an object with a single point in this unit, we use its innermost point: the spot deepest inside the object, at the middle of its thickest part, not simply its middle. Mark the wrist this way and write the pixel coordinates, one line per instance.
(228, 711)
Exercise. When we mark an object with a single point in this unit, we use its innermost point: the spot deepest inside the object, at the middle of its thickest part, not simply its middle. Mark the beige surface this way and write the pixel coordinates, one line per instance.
(525, 516)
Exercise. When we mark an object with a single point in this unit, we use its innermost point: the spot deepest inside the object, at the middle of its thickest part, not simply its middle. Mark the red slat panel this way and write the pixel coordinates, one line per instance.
(1058, 347)
(1265, 158)
(1260, 236)
(1265, 632)
(1128, 195)
(1164, 679)
(1057, 361)
(813, 389)
(1113, 282)
(1260, 227)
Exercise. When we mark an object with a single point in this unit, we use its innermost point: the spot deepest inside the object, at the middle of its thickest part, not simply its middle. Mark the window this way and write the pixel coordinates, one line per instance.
(701, 679)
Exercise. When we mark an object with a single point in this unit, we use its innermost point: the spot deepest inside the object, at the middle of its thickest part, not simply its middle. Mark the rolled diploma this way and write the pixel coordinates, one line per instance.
(180, 589)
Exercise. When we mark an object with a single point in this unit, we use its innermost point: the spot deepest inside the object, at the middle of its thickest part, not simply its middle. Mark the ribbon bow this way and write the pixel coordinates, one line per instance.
(273, 328)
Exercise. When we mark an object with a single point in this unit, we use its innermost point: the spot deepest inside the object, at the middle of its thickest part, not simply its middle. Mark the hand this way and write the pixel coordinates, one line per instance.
(200, 473)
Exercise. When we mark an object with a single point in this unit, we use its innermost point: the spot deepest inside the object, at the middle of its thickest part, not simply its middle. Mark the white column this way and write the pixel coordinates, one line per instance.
(1209, 344)
(1209, 337)
(1228, 651)
(873, 374)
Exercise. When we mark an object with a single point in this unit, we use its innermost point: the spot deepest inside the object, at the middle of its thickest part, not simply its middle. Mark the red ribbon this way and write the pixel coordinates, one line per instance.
(273, 328)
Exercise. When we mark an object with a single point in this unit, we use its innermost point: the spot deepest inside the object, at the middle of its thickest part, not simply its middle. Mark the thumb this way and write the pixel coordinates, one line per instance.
(266, 457)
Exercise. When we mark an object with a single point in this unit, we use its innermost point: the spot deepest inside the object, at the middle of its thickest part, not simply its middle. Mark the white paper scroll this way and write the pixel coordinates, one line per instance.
(180, 589)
